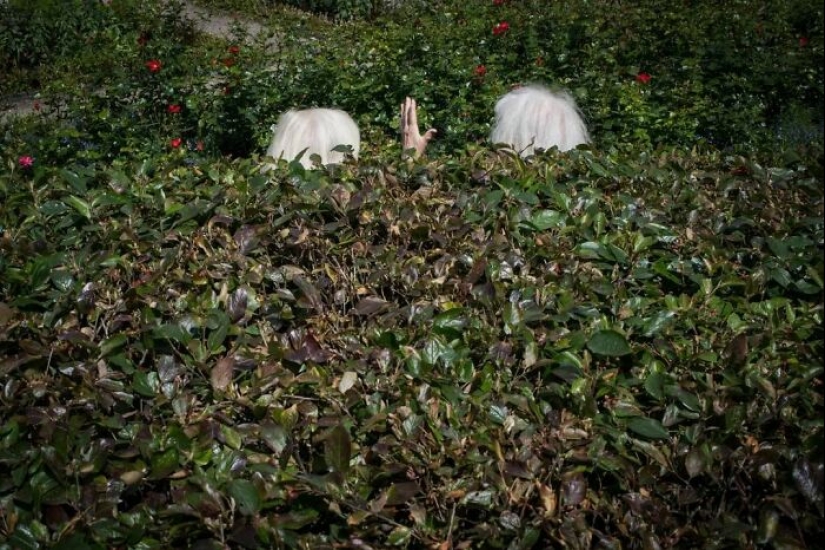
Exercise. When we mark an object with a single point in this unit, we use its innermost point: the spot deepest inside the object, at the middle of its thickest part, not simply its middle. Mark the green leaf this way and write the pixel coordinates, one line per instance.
(687, 399)
(164, 463)
(172, 331)
(246, 496)
(399, 536)
(338, 449)
(80, 205)
(23, 539)
(218, 322)
(655, 324)
(75, 180)
(648, 427)
(609, 343)
(450, 323)
(146, 384)
(655, 385)
(231, 436)
(546, 219)
(112, 344)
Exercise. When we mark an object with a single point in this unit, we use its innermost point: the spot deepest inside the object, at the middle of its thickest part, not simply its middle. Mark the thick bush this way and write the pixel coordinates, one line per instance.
(620, 346)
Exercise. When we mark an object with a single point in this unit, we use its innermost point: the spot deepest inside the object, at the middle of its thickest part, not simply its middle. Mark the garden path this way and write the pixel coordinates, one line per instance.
(205, 20)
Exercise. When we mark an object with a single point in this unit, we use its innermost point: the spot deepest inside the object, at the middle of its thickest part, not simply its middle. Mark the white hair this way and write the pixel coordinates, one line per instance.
(533, 117)
(318, 131)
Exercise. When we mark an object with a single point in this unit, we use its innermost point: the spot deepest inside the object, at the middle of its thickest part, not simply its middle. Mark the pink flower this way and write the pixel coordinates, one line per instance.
(173, 109)
(153, 65)
(175, 143)
(25, 161)
(480, 70)
(643, 78)
(501, 28)
(199, 145)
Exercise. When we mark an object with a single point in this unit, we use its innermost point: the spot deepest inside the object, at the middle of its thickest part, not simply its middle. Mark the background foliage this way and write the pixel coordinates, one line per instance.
(620, 346)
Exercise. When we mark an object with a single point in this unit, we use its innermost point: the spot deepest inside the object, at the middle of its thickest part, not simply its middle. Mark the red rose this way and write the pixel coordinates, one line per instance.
(153, 65)
(501, 28)
(480, 70)
(643, 78)
(234, 50)
(175, 143)
(173, 109)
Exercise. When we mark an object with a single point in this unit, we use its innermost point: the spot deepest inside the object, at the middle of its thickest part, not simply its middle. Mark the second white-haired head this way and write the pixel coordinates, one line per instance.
(533, 117)
(314, 132)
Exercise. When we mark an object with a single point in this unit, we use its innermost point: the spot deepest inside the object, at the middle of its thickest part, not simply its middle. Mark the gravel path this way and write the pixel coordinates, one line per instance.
(206, 21)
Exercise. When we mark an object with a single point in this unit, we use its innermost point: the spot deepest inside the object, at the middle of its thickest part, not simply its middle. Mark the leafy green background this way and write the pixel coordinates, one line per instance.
(616, 347)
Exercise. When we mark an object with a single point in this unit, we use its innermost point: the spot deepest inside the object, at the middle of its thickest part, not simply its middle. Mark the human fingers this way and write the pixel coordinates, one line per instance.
(413, 114)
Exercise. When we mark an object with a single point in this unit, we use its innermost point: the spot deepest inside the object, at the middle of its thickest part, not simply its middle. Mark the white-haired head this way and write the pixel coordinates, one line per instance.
(533, 117)
(318, 131)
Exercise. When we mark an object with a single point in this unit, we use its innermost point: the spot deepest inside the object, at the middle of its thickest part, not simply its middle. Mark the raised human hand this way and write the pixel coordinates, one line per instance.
(411, 137)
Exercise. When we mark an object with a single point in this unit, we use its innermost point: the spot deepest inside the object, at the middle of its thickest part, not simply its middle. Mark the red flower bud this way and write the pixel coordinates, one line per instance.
(234, 50)
(480, 70)
(175, 143)
(501, 28)
(153, 65)
(173, 109)
(643, 78)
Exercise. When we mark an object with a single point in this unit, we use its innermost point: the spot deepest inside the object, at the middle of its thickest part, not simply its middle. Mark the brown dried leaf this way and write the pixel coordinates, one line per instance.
(401, 493)
(311, 295)
(573, 488)
(549, 500)
(737, 349)
(338, 449)
(236, 304)
(246, 237)
(222, 373)
(370, 305)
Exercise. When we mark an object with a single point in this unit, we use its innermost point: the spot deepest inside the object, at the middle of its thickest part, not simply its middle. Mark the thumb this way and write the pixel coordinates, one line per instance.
(430, 134)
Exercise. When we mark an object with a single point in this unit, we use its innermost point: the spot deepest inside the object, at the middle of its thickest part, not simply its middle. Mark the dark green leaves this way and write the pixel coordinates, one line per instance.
(338, 450)
(648, 427)
(614, 346)
(609, 343)
(246, 496)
